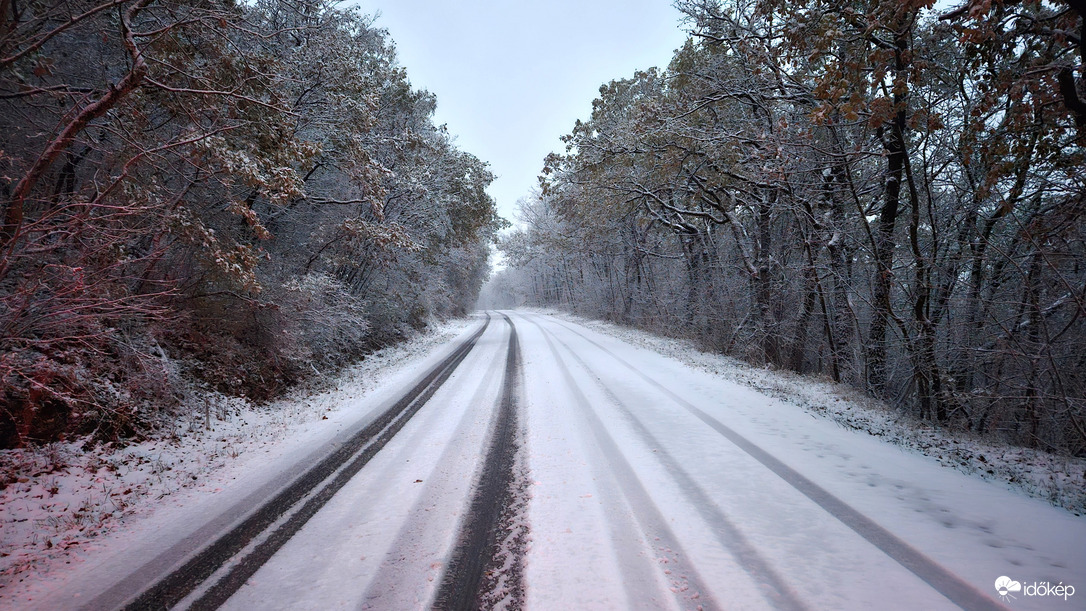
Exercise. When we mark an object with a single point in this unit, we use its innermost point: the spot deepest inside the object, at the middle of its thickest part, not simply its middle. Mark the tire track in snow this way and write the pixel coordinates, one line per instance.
(479, 540)
(727, 534)
(935, 575)
(412, 552)
(266, 528)
(645, 511)
(637, 573)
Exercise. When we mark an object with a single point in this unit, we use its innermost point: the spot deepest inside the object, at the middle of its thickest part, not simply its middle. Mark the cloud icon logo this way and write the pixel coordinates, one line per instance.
(1005, 585)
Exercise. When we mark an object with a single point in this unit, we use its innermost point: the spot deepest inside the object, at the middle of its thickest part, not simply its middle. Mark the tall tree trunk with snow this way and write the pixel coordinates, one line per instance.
(892, 135)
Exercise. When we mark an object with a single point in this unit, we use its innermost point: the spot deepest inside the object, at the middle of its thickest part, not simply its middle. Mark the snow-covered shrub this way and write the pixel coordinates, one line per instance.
(239, 347)
(106, 385)
(325, 317)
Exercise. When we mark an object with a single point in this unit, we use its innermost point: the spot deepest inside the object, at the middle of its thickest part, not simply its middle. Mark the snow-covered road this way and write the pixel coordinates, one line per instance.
(656, 486)
(632, 482)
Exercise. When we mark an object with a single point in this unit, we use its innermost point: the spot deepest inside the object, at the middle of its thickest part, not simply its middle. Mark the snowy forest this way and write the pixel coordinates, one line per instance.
(887, 194)
(236, 196)
(216, 195)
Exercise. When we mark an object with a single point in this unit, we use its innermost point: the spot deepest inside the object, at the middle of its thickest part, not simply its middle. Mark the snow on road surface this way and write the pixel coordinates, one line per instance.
(750, 538)
(650, 485)
(382, 539)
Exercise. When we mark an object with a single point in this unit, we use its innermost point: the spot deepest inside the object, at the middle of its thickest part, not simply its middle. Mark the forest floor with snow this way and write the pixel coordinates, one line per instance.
(1060, 480)
(57, 499)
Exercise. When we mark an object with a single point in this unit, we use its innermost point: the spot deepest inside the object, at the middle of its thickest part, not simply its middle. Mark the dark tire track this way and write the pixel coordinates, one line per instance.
(340, 465)
(954, 588)
(645, 511)
(773, 586)
(492, 510)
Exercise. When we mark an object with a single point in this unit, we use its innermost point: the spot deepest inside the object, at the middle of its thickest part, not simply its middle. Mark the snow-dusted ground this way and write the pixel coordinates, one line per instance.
(639, 501)
(1058, 479)
(381, 542)
(658, 477)
(64, 506)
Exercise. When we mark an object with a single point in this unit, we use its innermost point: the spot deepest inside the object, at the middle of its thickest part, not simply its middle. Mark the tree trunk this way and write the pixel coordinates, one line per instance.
(895, 146)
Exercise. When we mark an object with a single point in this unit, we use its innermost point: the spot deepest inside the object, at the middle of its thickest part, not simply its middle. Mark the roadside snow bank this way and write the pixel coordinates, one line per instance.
(58, 498)
(1058, 479)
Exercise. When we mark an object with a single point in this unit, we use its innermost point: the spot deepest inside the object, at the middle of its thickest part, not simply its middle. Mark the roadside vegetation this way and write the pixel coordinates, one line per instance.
(213, 196)
(886, 194)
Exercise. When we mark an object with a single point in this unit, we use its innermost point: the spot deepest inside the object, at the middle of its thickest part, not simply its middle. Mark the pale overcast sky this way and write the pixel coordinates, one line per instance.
(512, 76)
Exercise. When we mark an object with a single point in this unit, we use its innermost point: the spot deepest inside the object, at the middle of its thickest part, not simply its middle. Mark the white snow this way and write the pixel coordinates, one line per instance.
(746, 531)
(400, 515)
(67, 507)
(634, 501)
(1058, 479)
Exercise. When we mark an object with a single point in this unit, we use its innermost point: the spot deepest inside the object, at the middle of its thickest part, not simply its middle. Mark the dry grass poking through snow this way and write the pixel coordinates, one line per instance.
(1060, 480)
(56, 499)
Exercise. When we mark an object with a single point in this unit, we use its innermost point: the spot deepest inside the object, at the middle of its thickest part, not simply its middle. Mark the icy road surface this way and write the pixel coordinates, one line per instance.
(545, 466)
